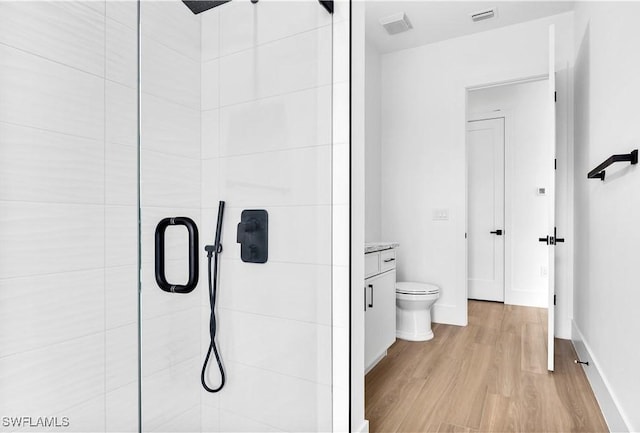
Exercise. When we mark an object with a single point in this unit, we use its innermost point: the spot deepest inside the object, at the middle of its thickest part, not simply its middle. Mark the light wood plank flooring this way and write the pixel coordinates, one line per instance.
(490, 376)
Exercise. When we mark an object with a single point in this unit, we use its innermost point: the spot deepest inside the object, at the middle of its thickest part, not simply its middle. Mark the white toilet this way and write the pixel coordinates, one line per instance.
(413, 310)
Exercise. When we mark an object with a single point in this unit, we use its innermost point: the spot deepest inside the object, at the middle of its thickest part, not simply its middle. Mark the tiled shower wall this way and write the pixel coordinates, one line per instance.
(68, 243)
(267, 144)
(256, 130)
(170, 186)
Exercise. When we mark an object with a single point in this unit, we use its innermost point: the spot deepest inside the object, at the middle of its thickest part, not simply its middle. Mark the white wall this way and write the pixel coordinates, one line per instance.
(267, 143)
(607, 91)
(528, 165)
(373, 175)
(68, 212)
(170, 179)
(423, 143)
(256, 136)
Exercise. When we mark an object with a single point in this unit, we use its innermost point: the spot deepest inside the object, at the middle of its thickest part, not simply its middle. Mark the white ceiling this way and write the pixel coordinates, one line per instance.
(439, 20)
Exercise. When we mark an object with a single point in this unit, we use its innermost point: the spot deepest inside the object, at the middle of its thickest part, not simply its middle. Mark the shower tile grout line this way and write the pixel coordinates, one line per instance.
(271, 41)
(104, 218)
(277, 95)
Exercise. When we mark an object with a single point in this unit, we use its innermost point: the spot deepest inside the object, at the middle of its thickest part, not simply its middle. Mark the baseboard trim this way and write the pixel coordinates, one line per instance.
(364, 428)
(602, 390)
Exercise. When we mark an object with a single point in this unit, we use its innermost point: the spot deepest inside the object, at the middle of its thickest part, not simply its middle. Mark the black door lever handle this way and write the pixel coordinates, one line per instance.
(550, 240)
(497, 232)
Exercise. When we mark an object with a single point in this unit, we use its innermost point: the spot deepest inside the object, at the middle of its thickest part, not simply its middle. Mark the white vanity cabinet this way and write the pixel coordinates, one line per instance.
(379, 305)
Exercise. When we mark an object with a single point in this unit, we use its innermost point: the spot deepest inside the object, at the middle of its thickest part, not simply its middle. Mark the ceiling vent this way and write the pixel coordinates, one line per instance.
(396, 23)
(484, 15)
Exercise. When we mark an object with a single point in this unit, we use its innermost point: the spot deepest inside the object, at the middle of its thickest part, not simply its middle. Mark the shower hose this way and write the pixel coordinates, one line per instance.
(212, 258)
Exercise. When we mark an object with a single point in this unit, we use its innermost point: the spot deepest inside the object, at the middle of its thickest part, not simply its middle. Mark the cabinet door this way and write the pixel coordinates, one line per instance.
(380, 316)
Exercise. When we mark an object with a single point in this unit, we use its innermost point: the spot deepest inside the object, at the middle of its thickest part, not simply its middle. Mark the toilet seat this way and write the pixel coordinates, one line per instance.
(411, 288)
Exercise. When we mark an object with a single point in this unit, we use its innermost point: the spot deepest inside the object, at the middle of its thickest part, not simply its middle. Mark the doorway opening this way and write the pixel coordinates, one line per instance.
(509, 192)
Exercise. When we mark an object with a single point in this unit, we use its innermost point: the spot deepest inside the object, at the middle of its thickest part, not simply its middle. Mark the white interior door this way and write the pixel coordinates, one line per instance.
(552, 200)
(485, 209)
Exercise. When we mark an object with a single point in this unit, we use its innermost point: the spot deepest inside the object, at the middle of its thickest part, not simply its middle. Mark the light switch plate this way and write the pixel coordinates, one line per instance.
(440, 214)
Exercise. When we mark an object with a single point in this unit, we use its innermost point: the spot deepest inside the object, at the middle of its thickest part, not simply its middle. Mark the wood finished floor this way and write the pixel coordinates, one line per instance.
(490, 376)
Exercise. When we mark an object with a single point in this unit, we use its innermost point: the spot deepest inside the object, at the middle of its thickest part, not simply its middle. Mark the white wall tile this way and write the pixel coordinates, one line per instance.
(237, 27)
(170, 339)
(85, 417)
(298, 349)
(41, 239)
(51, 29)
(281, 19)
(155, 302)
(169, 128)
(121, 235)
(210, 134)
(98, 6)
(251, 392)
(230, 422)
(121, 50)
(294, 177)
(121, 114)
(210, 23)
(121, 175)
(297, 292)
(173, 24)
(244, 25)
(121, 409)
(299, 119)
(169, 393)
(188, 421)
(121, 296)
(121, 361)
(210, 190)
(43, 94)
(45, 373)
(123, 11)
(296, 63)
(169, 74)
(35, 310)
(50, 167)
(210, 419)
(298, 234)
(211, 84)
(167, 179)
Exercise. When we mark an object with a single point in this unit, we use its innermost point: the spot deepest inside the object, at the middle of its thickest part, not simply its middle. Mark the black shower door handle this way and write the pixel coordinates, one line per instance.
(161, 278)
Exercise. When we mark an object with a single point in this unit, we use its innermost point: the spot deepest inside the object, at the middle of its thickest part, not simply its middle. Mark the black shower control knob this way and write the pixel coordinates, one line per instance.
(253, 235)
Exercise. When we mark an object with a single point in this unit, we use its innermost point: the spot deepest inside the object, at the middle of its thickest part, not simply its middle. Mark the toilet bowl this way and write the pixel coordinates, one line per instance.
(413, 310)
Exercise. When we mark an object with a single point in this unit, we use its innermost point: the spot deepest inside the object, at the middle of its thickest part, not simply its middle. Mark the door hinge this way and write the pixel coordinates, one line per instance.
(555, 96)
(554, 299)
(555, 163)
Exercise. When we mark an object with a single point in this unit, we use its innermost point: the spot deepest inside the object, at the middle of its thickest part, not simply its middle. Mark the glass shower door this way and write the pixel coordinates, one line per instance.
(68, 216)
(236, 106)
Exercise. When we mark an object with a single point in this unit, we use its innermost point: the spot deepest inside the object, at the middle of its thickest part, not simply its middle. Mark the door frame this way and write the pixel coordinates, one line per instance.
(508, 164)
(506, 216)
